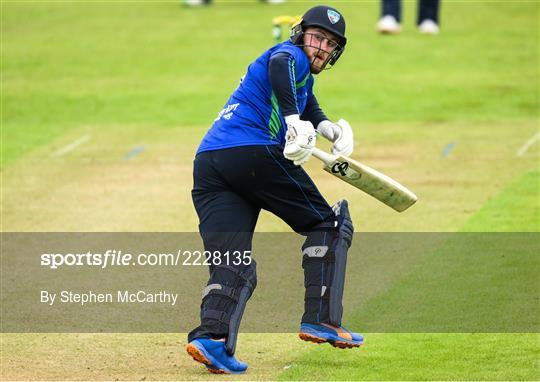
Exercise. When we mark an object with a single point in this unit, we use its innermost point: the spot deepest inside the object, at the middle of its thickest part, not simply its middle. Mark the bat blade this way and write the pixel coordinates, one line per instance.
(369, 180)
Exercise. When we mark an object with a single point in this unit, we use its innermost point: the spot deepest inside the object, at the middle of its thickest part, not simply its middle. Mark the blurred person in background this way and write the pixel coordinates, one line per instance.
(427, 19)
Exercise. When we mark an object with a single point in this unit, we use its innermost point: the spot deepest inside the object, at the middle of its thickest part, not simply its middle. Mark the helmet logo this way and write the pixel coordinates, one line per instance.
(333, 16)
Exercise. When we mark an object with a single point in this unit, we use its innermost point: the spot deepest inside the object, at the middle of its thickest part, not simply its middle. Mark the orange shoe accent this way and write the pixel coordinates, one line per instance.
(197, 355)
(217, 371)
(340, 331)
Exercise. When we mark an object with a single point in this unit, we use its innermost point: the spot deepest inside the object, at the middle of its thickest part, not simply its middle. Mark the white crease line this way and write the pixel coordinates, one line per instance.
(72, 146)
(528, 144)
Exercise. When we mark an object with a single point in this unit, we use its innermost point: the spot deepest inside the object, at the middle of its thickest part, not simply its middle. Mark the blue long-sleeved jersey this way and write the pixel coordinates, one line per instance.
(252, 115)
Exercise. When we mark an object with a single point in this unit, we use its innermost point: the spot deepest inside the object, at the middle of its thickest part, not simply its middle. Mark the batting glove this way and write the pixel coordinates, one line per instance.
(300, 139)
(340, 133)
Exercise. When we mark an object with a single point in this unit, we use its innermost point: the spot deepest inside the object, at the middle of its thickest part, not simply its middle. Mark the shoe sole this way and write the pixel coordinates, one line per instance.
(318, 340)
(198, 356)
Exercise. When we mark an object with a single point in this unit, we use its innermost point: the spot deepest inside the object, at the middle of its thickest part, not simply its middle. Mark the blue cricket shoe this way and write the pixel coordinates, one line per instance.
(338, 337)
(213, 355)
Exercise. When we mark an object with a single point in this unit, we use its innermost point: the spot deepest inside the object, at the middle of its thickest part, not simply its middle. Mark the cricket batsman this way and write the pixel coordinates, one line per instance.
(251, 159)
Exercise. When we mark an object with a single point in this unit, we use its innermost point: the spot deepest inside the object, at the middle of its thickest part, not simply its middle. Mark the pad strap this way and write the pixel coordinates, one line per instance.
(220, 290)
(217, 315)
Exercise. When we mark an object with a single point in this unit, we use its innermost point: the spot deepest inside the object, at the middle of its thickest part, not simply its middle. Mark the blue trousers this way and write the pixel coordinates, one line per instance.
(230, 187)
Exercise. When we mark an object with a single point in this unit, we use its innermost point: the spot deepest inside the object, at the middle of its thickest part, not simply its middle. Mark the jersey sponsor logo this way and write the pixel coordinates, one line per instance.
(227, 112)
(333, 16)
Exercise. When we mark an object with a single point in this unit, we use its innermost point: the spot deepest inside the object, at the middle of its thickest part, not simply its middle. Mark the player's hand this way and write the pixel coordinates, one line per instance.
(300, 139)
(340, 133)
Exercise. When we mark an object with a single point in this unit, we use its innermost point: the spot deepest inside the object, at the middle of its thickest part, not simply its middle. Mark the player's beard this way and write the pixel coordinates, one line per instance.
(318, 63)
(319, 58)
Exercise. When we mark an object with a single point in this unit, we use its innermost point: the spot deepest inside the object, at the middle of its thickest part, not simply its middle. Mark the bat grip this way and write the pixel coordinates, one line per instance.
(323, 156)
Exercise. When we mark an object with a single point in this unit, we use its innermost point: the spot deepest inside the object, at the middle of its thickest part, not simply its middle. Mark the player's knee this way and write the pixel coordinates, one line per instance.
(323, 238)
(340, 223)
(345, 224)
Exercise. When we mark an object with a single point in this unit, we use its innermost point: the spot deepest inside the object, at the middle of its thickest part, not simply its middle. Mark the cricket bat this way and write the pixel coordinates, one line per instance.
(369, 180)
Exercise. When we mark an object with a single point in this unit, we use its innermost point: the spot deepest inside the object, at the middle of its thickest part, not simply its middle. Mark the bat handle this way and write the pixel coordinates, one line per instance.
(323, 156)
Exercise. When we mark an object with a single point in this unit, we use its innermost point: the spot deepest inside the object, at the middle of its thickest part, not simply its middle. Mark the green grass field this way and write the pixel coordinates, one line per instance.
(104, 103)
